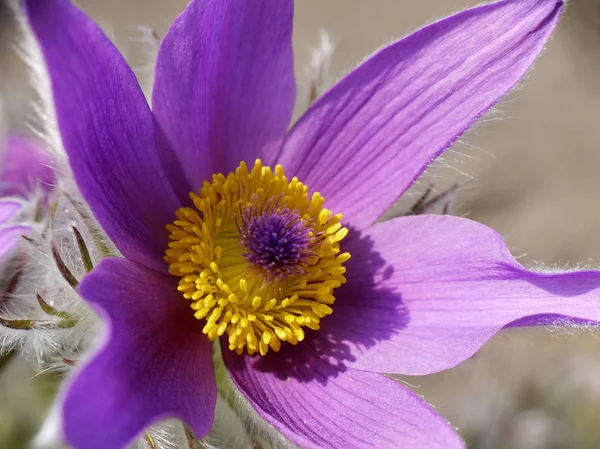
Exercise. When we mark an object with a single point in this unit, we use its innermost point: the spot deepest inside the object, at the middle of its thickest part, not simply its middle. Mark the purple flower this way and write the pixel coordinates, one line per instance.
(309, 307)
(22, 166)
(10, 233)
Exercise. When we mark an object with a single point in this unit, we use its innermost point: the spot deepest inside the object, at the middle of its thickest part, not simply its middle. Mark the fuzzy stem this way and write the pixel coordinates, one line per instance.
(67, 323)
(96, 234)
(416, 208)
(192, 440)
(425, 205)
(69, 362)
(62, 267)
(225, 389)
(11, 283)
(149, 441)
(443, 198)
(51, 310)
(26, 325)
(17, 324)
(83, 251)
(39, 210)
(31, 241)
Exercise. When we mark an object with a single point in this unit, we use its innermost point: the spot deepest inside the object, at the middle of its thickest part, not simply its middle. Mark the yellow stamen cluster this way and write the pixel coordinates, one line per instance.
(255, 312)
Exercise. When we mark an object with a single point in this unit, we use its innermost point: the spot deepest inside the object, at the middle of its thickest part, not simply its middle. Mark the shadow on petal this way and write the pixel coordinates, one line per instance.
(365, 313)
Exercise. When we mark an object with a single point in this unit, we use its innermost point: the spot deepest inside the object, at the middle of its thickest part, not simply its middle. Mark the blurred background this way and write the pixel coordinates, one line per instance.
(529, 170)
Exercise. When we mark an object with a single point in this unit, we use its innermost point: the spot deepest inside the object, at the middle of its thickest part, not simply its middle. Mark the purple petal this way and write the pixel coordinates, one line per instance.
(107, 129)
(425, 293)
(156, 362)
(318, 404)
(24, 166)
(376, 131)
(224, 88)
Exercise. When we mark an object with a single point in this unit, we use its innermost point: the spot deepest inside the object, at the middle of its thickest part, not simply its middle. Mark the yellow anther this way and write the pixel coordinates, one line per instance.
(266, 337)
(324, 216)
(256, 312)
(339, 236)
(202, 313)
(280, 333)
(263, 347)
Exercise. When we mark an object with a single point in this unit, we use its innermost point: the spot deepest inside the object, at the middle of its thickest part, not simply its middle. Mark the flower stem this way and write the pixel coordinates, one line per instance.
(426, 205)
(149, 441)
(62, 267)
(17, 324)
(11, 283)
(416, 208)
(96, 234)
(83, 250)
(67, 320)
(51, 310)
(192, 440)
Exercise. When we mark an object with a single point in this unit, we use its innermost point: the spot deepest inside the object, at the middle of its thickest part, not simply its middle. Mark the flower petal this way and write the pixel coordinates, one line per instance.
(156, 362)
(425, 293)
(24, 166)
(318, 404)
(107, 129)
(224, 88)
(366, 140)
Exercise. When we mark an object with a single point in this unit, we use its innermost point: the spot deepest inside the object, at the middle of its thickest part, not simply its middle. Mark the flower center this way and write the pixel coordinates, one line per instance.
(278, 242)
(258, 257)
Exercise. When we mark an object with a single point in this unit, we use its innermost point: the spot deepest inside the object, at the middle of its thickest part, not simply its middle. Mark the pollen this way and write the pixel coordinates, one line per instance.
(258, 258)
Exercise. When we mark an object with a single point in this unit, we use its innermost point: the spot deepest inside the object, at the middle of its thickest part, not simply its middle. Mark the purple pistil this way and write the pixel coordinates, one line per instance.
(278, 241)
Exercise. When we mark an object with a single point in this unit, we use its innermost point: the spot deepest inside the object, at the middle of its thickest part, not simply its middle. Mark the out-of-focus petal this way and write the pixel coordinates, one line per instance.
(24, 166)
(366, 140)
(8, 209)
(318, 403)
(425, 293)
(155, 363)
(107, 129)
(10, 237)
(224, 88)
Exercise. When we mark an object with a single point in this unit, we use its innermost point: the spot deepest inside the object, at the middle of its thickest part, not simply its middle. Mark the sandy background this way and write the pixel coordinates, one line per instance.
(530, 170)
